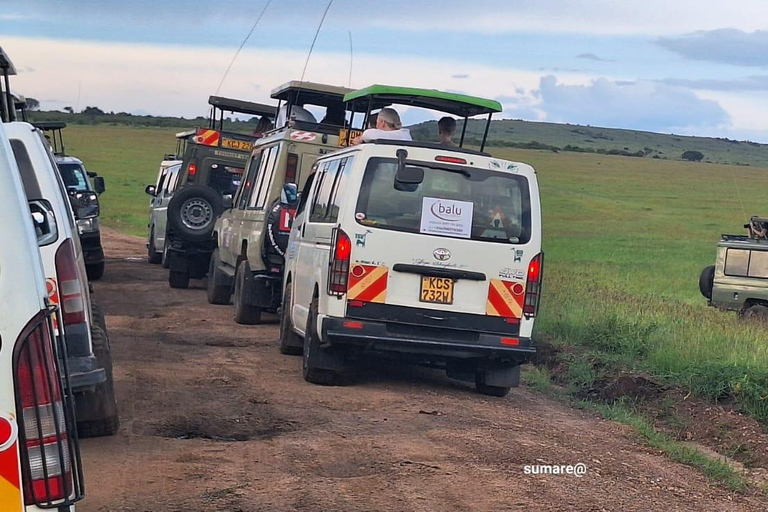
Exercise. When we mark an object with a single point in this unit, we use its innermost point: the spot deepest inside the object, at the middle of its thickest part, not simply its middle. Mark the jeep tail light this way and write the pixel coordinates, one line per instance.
(44, 443)
(192, 169)
(339, 267)
(71, 293)
(533, 286)
(291, 167)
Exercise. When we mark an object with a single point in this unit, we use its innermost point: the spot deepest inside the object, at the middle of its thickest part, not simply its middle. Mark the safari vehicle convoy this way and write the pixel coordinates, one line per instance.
(423, 250)
(212, 163)
(251, 237)
(78, 182)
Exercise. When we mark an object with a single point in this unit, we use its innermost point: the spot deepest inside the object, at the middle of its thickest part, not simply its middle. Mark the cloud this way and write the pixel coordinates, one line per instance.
(460, 75)
(592, 56)
(729, 46)
(15, 17)
(642, 105)
(749, 83)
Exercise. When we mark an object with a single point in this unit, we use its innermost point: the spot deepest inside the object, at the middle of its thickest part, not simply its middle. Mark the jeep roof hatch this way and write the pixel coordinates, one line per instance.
(379, 96)
(331, 97)
(7, 102)
(219, 105)
(57, 141)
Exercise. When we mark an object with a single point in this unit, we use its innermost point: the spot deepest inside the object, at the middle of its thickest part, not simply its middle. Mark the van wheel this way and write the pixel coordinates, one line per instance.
(244, 314)
(757, 312)
(319, 366)
(290, 342)
(95, 271)
(166, 256)
(178, 279)
(503, 377)
(98, 409)
(153, 256)
(217, 293)
(707, 281)
(97, 314)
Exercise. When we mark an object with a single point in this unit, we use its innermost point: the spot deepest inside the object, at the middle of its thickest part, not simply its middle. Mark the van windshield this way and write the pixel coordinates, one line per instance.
(452, 201)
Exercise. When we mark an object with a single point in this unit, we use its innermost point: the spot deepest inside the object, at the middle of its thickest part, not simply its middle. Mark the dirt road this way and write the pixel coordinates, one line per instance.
(215, 418)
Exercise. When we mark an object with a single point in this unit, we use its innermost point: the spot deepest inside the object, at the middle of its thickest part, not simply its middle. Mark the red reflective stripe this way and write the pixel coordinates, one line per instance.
(9, 465)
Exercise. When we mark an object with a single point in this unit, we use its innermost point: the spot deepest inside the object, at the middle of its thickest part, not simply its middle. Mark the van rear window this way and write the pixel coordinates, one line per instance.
(452, 201)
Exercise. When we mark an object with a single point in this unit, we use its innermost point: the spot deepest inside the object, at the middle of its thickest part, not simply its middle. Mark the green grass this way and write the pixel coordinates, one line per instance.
(625, 241)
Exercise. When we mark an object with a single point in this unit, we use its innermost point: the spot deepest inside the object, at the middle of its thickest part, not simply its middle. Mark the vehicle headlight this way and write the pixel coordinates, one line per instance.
(88, 225)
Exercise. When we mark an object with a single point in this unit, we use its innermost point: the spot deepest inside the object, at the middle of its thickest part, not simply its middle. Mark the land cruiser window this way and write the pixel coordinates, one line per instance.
(260, 175)
(247, 184)
(736, 262)
(328, 178)
(479, 204)
(263, 178)
(758, 264)
(173, 177)
(224, 179)
(74, 177)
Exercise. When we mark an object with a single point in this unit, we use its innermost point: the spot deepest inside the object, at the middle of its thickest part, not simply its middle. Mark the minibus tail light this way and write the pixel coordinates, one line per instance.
(339, 264)
(533, 286)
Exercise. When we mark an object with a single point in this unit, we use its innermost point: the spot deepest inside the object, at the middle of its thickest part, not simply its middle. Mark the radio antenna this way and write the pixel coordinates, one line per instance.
(351, 60)
(241, 47)
(317, 33)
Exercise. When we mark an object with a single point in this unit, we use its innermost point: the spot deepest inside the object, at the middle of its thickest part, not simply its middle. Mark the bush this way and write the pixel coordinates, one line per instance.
(693, 156)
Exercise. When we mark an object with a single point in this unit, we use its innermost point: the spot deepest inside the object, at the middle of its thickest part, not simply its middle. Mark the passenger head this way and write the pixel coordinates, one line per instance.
(264, 125)
(446, 127)
(388, 120)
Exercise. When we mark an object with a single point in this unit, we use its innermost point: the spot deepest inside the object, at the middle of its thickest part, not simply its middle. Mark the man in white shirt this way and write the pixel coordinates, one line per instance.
(388, 126)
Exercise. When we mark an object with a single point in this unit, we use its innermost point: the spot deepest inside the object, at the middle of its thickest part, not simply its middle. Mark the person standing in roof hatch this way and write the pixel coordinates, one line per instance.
(446, 127)
(388, 126)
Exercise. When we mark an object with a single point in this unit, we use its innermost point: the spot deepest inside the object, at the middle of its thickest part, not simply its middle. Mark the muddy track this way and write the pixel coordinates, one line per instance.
(214, 418)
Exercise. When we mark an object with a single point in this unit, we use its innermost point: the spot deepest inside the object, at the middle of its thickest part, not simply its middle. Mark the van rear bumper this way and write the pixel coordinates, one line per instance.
(367, 335)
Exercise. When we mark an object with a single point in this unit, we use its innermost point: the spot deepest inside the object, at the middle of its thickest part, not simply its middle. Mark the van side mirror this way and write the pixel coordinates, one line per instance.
(44, 222)
(99, 185)
(150, 190)
(86, 205)
(289, 194)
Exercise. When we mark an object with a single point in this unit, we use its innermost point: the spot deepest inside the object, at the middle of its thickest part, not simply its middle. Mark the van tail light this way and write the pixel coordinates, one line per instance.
(290, 169)
(48, 447)
(71, 293)
(533, 286)
(341, 250)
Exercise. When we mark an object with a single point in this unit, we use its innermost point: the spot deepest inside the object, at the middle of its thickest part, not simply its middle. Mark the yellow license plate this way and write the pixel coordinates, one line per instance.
(437, 290)
(241, 145)
(344, 133)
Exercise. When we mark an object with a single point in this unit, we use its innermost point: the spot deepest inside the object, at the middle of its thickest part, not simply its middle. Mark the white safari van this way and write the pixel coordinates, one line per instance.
(419, 249)
(39, 456)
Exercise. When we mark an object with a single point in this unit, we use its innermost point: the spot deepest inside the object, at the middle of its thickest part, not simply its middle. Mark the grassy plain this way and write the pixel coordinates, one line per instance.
(625, 239)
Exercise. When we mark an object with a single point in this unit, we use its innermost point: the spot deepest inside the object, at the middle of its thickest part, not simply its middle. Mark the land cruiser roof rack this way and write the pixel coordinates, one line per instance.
(57, 142)
(219, 105)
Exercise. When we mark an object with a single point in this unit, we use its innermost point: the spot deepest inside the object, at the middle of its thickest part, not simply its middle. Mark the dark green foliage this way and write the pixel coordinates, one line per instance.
(693, 156)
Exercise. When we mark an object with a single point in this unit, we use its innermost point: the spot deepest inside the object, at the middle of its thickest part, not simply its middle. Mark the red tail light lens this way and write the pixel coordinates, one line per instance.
(191, 169)
(339, 268)
(45, 450)
(71, 293)
(533, 286)
(450, 160)
(290, 169)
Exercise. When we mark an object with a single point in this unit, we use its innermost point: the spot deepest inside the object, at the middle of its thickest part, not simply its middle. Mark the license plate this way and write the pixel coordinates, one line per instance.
(437, 290)
(241, 145)
(344, 133)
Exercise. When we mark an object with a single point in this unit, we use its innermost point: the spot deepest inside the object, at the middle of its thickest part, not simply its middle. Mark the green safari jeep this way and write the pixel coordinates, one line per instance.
(738, 281)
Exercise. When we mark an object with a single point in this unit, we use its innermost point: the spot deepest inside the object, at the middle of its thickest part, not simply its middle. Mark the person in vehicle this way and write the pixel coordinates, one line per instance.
(334, 114)
(263, 126)
(446, 127)
(299, 112)
(388, 126)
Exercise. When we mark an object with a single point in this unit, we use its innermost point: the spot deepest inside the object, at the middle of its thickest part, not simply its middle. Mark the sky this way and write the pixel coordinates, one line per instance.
(669, 66)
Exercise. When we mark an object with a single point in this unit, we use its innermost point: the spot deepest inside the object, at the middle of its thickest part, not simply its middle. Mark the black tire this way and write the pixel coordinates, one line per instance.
(244, 313)
(217, 294)
(166, 261)
(97, 316)
(707, 281)
(153, 256)
(757, 312)
(311, 353)
(290, 343)
(95, 271)
(486, 389)
(275, 241)
(177, 279)
(99, 408)
(193, 211)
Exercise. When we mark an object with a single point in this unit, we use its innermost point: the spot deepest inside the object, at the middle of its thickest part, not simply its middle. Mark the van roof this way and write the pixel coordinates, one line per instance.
(449, 102)
(242, 107)
(310, 92)
(50, 125)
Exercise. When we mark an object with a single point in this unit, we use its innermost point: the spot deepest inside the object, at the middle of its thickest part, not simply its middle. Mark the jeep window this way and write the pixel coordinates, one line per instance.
(74, 176)
(501, 207)
(736, 262)
(264, 178)
(244, 192)
(173, 178)
(758, 264)
(223, 178)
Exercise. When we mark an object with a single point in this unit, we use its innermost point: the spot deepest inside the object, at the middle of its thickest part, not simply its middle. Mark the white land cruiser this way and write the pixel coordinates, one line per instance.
(40, 466)
(421, 249)
(88, 350)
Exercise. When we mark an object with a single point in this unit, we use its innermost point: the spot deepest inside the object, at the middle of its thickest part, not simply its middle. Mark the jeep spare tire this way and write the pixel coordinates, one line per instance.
(276, 233)
(707, 281)
(193, 211)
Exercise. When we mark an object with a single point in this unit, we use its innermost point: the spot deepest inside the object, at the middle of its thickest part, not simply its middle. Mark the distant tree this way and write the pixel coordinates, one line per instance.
(93, 111)
(693, 156)
(33, 104)
(69, 110)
